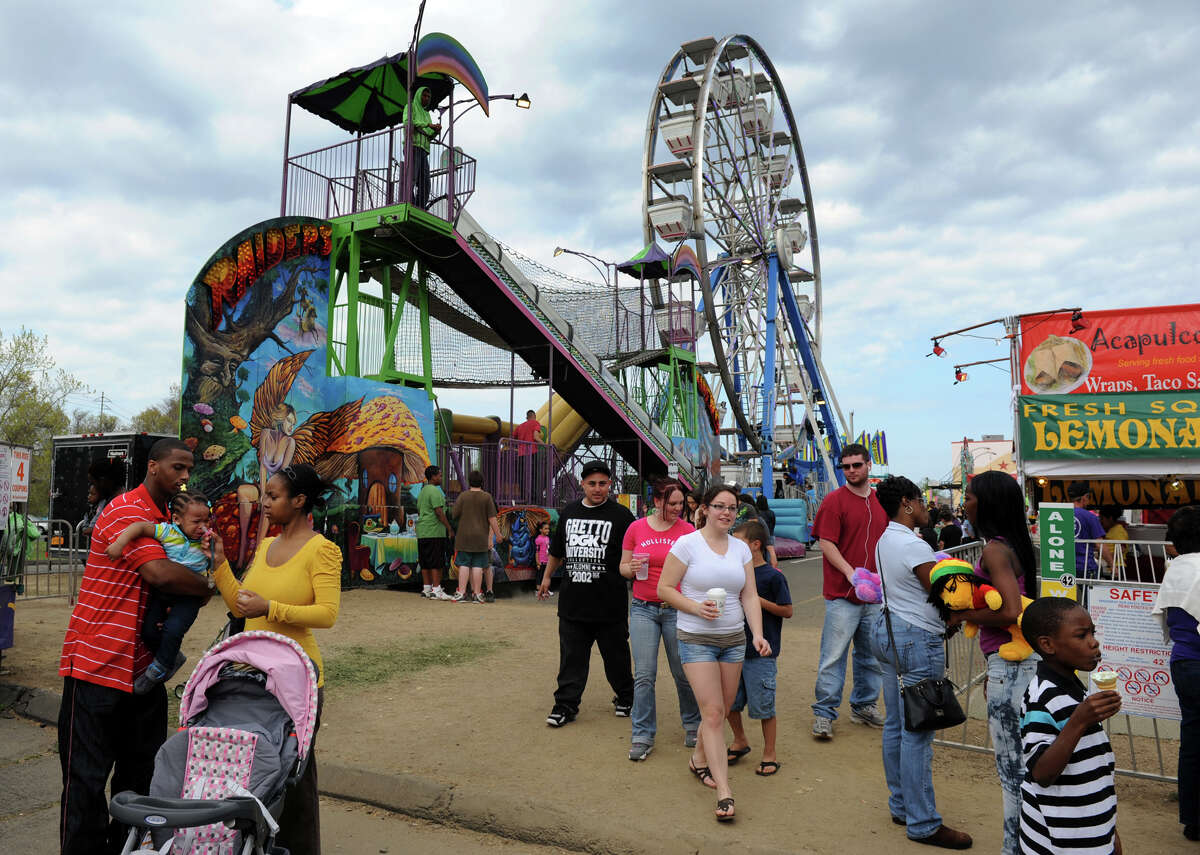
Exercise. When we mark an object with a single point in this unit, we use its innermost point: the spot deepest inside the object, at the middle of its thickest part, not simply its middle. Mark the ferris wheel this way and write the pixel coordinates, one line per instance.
(724, 171)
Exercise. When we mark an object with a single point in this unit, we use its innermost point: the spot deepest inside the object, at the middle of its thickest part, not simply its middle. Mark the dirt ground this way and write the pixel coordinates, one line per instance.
(483, 723)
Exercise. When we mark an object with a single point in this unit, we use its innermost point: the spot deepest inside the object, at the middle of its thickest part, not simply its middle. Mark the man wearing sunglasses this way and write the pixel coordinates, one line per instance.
(847, 526)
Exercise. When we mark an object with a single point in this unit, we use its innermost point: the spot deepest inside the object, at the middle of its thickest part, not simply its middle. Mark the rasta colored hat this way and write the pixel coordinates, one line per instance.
(949, 567)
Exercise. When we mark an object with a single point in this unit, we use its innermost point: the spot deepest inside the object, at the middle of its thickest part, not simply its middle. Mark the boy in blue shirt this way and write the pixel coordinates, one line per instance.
(168, 618)
(757, 689)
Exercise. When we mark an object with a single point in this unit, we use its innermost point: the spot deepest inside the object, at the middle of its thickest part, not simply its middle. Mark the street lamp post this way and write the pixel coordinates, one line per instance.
(603, 268)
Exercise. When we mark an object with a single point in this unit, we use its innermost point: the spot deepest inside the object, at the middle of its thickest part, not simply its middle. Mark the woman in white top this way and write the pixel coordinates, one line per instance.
(712, 638)
(905, 561)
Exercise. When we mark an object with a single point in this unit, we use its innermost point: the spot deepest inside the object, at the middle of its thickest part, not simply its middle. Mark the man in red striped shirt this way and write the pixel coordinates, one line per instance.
(102, 726)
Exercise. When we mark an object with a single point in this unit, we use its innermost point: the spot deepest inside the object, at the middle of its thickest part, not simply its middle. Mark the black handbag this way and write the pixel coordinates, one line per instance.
(929, 704)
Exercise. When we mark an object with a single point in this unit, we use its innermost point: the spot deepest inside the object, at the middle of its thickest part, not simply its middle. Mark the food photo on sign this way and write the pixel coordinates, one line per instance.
(1149, 349)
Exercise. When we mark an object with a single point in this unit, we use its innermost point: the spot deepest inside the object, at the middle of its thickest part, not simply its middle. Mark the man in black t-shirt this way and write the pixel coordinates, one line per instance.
(593, 604)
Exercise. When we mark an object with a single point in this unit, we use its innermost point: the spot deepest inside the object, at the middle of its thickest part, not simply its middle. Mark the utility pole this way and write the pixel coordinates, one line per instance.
(101, 408)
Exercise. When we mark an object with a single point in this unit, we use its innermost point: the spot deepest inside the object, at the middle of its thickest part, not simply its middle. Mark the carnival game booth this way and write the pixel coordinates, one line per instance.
(1112, 400)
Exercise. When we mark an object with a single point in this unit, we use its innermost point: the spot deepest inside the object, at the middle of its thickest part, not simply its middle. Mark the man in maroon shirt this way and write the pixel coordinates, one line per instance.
(848, 525)
(528, 434)
(102, 726)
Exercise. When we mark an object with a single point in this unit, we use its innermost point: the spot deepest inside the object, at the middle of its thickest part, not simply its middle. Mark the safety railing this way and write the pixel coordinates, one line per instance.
(1123, 560)
(514, 472)
(46, 566)
(367, 173)
(1138, 741)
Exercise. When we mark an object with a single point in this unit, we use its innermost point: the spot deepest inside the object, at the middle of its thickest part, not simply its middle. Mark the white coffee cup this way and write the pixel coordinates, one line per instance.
(717, 595)
(643, 570)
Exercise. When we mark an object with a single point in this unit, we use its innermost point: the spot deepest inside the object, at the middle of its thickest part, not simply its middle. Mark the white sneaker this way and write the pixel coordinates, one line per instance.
(427, 593)
(439, 594)
(458, 597)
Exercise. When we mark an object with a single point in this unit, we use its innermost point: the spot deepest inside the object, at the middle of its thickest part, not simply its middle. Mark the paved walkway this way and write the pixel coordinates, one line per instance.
(30, 783)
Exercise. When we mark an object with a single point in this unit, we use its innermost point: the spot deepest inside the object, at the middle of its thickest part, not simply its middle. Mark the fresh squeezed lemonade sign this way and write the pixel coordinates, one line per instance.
(1056, 531)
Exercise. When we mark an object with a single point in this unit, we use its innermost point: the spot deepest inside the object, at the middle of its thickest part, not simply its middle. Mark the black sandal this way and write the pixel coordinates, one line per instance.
(725, 805)
(735, 754)
(703, 773)
(767, 768)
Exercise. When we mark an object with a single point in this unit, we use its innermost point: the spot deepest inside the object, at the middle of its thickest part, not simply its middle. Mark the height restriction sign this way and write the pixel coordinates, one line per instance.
(1056, 531)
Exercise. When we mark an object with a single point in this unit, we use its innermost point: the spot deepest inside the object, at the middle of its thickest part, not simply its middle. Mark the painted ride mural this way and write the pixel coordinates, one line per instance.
(257, 397)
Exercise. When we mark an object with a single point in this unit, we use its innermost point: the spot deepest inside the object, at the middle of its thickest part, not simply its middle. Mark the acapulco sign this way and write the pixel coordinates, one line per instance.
(1155, 349)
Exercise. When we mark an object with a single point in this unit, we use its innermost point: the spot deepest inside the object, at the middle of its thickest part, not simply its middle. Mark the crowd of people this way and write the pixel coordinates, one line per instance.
(706, 590)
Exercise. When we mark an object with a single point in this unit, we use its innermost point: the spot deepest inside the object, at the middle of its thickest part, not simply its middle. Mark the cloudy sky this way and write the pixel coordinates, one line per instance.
(967, 160)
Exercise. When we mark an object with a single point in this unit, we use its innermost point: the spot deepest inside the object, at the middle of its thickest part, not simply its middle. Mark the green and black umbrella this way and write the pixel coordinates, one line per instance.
(370, 98)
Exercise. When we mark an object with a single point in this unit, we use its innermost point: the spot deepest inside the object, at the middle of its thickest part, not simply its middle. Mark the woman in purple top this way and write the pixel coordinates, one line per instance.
(996, 510)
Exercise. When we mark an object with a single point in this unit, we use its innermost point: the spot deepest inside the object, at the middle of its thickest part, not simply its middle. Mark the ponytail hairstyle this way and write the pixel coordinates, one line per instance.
(303, 480)
(662, 489)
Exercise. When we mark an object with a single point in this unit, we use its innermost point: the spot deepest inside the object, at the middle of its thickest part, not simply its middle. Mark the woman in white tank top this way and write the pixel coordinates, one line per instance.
(712, 640)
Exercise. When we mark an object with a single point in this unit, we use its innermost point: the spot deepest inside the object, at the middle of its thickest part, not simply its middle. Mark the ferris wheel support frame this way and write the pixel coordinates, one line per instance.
(812, 364)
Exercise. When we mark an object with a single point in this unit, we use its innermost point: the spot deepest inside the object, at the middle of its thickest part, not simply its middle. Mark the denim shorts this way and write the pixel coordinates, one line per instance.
(689, 653)
(757, 688)
(472, 559)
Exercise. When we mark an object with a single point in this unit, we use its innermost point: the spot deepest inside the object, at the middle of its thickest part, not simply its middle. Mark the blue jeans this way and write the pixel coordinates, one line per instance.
(1006, 684)
(648, 624)
(165, 623)
(908, 756)
(1186, 675)
(846, 622)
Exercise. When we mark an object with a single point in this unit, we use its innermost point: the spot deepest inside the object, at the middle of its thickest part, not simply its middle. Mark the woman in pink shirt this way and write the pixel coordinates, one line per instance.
(646, 545)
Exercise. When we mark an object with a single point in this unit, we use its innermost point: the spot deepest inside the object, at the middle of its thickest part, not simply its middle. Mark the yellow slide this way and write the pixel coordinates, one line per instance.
(569, 426)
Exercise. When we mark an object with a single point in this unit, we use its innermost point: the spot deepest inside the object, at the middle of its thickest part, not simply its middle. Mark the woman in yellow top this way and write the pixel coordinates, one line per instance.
(294, 585)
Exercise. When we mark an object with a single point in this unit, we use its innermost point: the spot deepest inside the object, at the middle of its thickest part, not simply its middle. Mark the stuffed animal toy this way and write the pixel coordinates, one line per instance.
(954, 587)
(866, 585)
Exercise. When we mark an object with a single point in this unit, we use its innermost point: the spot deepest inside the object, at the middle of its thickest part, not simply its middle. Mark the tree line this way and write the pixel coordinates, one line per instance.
(34, 394)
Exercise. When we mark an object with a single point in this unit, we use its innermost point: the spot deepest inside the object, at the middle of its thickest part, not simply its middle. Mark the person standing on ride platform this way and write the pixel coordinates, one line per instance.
(102, 726)
(848, 525)
(424, 130)
(593, 605)
(527, 435)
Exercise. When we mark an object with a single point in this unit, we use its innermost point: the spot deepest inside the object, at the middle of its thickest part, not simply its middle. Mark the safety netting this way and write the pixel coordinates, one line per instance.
(466, 351)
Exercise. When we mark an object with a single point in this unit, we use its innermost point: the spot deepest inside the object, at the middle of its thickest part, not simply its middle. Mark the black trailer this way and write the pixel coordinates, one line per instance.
(73, 455)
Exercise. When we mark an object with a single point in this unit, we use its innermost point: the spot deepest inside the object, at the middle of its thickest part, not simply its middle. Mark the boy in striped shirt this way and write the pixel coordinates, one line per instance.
(1068, 799)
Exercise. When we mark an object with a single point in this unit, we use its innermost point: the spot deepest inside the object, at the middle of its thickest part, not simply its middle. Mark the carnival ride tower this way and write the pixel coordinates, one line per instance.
(421, 295)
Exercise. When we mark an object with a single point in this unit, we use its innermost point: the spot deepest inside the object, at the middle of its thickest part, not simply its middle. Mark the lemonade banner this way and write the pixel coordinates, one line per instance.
(1167, 492)
(1087, 427)
(1128, 350)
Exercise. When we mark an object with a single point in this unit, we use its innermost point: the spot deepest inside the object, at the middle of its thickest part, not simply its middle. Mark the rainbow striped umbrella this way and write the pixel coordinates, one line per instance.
(438, 53)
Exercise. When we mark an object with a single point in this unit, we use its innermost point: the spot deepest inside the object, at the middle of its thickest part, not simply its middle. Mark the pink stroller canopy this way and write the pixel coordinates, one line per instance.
(291, 677)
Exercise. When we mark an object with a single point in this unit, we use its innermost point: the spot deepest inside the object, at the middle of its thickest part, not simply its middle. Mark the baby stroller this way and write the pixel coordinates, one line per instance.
(247, 716)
